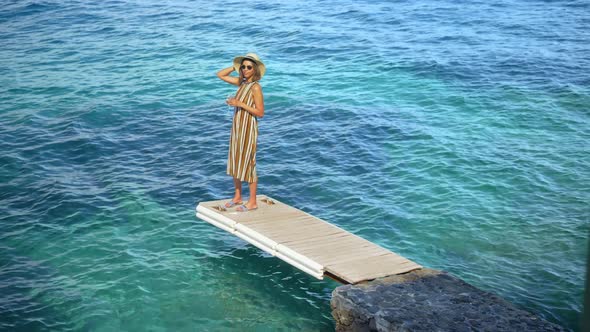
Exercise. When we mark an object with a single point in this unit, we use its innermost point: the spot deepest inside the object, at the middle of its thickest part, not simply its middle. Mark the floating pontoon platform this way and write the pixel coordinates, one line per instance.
(306, 242)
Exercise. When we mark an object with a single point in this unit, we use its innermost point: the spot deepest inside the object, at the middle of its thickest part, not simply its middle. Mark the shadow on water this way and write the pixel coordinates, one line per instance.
(250, 283)
(27, 295)
(140, 263)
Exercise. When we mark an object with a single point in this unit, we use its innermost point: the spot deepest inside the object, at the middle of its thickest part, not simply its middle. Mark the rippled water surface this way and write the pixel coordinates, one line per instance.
(453, 133)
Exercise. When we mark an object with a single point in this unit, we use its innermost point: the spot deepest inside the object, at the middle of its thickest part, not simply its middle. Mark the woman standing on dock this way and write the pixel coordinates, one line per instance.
(248, 106)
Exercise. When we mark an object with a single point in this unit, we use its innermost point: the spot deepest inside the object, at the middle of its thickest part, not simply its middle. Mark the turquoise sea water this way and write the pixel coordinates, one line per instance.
(453, 133)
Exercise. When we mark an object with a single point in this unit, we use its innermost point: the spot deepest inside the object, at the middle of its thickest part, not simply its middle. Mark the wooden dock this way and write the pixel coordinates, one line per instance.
(306, 242)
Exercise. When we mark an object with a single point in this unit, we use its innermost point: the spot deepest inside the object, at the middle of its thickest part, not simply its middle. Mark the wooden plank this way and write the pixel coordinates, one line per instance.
(348, 245)
(352, 258)
(371, 268)
(312, 238)
(345, 254)
(338, 239)
(312, 227)
(300, 222)
(289, 238)
(344, 246)
(370, 275)
(270, 229)
(328, 258)
(310, 248)
(328, 239)
(262, 227)
(264, 218)
(277, 218)
(279, 235)
(342, 254)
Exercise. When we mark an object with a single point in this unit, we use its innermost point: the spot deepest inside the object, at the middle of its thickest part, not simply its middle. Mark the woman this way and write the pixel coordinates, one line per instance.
(249, 106)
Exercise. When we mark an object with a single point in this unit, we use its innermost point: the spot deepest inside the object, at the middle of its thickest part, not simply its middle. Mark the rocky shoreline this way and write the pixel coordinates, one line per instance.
(427, 300)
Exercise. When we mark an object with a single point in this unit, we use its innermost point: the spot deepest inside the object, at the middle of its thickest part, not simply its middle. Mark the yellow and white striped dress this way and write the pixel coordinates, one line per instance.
(241, 160)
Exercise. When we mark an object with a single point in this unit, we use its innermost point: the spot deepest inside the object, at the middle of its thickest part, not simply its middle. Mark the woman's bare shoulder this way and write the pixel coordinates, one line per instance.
(256, 87)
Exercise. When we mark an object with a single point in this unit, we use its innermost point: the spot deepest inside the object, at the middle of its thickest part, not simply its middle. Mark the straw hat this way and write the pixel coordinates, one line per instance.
(252, 57)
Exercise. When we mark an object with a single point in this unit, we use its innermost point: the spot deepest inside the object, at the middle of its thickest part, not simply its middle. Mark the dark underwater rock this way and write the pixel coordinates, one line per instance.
(427, 300)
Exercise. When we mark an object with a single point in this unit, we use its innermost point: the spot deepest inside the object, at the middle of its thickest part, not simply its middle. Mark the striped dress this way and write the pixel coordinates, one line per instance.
(241, 160)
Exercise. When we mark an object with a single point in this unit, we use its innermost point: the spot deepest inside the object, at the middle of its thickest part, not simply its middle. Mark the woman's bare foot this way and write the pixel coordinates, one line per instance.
(249, 206)
(233, 202)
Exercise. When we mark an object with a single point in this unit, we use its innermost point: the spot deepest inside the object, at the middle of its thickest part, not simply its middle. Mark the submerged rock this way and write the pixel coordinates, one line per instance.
(427, 300)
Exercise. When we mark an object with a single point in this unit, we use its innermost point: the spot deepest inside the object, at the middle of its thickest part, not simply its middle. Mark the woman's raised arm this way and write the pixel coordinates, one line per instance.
(224, 75)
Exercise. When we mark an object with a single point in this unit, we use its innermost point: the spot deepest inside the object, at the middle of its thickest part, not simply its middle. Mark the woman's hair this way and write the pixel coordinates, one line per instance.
(256, 76)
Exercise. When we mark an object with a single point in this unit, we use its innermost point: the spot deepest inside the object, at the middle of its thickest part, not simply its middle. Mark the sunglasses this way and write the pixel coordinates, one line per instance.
(246, 67)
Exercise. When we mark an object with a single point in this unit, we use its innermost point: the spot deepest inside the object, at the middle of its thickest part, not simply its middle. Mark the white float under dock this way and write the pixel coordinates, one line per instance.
(306, 242)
